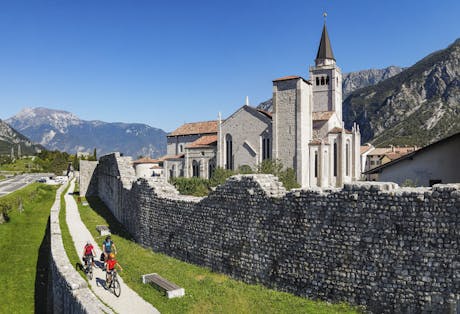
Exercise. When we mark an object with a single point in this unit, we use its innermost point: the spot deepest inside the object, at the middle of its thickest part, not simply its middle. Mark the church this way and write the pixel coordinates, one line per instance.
(304, 131)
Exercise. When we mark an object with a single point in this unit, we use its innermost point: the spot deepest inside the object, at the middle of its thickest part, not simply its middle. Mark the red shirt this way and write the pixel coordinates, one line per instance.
(88, 249)
(111, 264)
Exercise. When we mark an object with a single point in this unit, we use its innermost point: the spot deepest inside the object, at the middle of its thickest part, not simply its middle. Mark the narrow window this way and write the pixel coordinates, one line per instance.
(181, 148)
(317, 81)
(347, 159)
(335, 159)
(327, 80)
(322, 80)
(196, 168)
(316, 164)
(228, 152)
(266, 153)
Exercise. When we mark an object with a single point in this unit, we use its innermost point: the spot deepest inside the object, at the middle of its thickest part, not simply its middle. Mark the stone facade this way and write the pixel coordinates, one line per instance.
(394, 250)
(87, 183)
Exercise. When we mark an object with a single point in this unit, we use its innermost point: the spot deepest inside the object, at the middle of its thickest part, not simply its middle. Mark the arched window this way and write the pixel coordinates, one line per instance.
(228, 152)
(172, 171)
(347, 158)
(211, 168)
(322, 80)
(317, 81)
(181, 148)
(327, 80)
(195, 168)
(316, 164)
(335, 158)
(266, 148)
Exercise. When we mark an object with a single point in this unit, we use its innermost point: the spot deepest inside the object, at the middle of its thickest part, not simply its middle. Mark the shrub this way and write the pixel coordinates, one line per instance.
(286, 176)
(191, 186)
(5, 208)
(220, 175)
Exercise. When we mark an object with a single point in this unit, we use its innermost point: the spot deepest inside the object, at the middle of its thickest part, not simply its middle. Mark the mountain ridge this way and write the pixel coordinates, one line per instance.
(65, 131)
(418, 106)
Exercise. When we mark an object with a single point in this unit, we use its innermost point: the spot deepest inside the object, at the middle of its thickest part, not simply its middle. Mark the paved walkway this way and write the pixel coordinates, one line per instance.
(129, 301)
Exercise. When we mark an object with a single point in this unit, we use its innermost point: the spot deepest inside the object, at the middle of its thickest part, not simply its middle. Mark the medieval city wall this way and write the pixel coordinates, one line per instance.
(391, 249)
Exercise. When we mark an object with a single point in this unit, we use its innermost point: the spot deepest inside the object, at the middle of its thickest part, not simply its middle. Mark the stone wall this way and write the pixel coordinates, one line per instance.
(391, 249)
(70, 293)
(87, 180)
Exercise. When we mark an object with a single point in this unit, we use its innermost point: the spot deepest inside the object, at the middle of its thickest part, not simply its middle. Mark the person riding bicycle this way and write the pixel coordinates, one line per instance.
(111, 263)
(108, 247)
(88, 253)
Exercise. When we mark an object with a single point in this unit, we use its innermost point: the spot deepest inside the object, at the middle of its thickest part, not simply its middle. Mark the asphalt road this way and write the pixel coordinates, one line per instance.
(18, 182)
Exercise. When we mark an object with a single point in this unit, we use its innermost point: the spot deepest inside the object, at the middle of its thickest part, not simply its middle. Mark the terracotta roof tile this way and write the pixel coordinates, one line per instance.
(268, 114)
(286, 78)
(168, 157)
(203, 141)
(364, 149)
(339, 130)
(204, 127)
(322, 115)
(146, 160)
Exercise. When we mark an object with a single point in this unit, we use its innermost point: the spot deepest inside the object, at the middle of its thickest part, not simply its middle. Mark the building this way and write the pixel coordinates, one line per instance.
(372, 157)
(191, 150)
(147, 167)
(304, 132)
(435, 163)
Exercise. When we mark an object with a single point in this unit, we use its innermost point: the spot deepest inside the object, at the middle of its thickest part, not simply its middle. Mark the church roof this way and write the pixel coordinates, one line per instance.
(337, 130)
(322, 115)
(145, 160)
(291, 77)
(325, 48)
(204, 141)
(204, 127)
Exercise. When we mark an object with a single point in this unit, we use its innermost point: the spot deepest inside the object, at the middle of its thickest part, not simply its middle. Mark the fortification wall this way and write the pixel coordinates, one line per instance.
(391, 249)
(69, 292)
(87, 182)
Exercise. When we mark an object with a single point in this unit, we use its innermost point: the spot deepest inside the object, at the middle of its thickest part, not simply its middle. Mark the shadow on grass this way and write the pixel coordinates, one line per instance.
(114, 225)
(43, 295)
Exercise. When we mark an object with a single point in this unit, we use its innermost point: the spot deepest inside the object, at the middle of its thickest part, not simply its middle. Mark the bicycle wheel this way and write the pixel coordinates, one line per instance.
(116, 288)
(90, 273)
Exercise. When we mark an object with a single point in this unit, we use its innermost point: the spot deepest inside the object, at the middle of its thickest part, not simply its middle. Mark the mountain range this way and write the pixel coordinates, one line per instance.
(418, 106)
(64, 131)
(10, 139)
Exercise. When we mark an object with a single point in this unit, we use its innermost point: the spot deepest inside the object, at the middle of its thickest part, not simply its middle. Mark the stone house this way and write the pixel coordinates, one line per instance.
(147, 167)
(432, 164)
(191, 150)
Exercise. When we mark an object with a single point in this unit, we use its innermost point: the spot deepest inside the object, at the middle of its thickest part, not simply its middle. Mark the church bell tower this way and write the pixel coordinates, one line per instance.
(326, 78)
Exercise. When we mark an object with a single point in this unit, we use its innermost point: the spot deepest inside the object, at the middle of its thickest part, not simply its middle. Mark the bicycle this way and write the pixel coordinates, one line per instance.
(88, 267)
(114, 284)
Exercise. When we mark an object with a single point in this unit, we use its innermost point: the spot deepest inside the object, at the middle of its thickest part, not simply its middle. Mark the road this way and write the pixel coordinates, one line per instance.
(10, 185)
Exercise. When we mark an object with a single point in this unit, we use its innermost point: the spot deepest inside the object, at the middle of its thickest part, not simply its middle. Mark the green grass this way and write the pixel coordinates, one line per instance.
(69, 246)
(206, 291)
(21, 165)
(20, 241)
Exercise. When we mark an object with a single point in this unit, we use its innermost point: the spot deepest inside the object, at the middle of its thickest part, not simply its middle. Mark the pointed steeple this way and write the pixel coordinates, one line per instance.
(325, 48)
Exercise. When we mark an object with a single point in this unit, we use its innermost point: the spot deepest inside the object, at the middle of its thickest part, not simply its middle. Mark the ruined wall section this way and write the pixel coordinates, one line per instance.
(391, 249)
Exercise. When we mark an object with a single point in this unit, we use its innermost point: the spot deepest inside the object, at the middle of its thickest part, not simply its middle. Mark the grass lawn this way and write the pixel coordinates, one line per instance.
(22, 240)
(21, 165)
(205, 291)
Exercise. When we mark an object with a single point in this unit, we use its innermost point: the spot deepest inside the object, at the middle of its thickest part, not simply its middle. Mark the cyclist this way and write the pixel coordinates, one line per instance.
(111, 263)
(88, 253)
(108, 247)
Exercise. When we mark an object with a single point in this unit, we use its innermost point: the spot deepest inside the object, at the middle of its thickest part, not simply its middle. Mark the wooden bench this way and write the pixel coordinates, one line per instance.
(172, 290)
(103, 230)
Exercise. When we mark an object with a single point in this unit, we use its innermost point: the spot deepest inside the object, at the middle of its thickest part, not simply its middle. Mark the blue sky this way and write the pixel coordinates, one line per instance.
(164, 63)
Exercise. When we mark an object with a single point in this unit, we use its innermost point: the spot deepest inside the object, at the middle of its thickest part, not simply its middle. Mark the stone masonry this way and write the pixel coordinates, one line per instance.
(391, 249)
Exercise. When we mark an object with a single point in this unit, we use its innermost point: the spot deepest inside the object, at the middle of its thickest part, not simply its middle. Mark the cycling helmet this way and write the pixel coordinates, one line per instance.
(88, 242)
(108, 238)
(111, 256)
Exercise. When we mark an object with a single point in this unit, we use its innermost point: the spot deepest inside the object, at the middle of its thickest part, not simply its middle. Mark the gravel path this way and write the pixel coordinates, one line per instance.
(129, 301)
